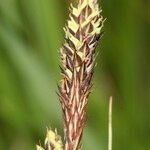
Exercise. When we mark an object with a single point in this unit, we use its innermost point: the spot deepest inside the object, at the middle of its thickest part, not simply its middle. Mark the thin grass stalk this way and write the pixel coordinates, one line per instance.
(110, 124)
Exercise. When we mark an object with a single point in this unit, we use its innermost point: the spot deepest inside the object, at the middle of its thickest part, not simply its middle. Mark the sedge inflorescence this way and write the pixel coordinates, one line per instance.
(82, 32)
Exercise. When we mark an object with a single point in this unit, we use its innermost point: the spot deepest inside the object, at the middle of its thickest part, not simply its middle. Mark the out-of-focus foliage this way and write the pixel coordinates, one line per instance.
(30, 37)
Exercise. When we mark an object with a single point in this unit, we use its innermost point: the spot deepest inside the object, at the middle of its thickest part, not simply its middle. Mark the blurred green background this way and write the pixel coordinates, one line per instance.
(30, 37)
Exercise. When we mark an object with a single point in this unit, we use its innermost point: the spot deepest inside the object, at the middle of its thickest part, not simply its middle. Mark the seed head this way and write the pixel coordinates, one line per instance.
(82, 33)
(52, 142)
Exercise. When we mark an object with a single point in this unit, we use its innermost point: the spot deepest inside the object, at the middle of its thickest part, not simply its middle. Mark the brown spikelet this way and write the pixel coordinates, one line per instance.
(82, 33)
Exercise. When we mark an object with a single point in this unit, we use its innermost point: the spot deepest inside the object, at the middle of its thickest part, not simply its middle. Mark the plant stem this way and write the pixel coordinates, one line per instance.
(110, 124)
